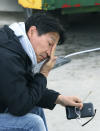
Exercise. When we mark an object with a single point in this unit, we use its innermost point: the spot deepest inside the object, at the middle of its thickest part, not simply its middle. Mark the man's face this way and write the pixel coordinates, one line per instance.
(42, 44)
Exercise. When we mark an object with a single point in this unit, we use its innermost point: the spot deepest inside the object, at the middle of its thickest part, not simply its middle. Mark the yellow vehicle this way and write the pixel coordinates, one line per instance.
(33, 4)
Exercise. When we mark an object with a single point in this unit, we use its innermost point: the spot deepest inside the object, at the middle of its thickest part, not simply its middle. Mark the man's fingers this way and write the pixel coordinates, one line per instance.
(79, 105)
(78, 102)
(53, 50)
(77, 99)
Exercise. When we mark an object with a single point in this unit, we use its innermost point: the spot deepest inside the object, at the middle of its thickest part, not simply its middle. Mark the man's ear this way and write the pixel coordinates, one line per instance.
(31, 31)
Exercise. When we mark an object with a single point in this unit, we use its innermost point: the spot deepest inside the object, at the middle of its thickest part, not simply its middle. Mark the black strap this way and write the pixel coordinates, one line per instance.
(89, 120)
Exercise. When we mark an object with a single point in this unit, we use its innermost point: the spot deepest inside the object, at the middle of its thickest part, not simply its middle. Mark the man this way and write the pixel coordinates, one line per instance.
(23, 94)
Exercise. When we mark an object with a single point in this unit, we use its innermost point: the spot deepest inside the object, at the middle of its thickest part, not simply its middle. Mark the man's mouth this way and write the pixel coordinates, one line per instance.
(43, 57)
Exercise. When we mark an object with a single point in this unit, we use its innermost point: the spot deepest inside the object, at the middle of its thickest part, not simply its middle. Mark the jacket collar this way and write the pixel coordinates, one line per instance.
(20, 32)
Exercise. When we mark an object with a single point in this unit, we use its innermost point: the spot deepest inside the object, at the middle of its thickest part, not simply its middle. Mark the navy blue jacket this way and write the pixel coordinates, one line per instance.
(20, 90)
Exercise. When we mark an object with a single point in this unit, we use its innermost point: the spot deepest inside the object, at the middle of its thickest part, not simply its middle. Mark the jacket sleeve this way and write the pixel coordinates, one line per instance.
(19, 94)
(48, 99)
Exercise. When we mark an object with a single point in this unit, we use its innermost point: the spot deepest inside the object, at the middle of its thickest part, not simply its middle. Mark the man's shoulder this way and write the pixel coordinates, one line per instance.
(3, 34)
(10, 42)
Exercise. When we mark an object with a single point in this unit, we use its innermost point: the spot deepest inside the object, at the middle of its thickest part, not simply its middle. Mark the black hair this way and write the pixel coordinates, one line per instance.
(45, 24)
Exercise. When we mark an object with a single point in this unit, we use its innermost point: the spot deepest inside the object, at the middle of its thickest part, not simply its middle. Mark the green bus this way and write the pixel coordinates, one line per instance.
(65, 6)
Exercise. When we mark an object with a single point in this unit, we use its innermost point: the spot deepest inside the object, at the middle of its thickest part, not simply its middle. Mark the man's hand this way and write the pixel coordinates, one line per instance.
(69, 101)
(49, 63)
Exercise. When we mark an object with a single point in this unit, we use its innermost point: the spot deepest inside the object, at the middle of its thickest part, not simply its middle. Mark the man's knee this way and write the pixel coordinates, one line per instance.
(34, 122)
